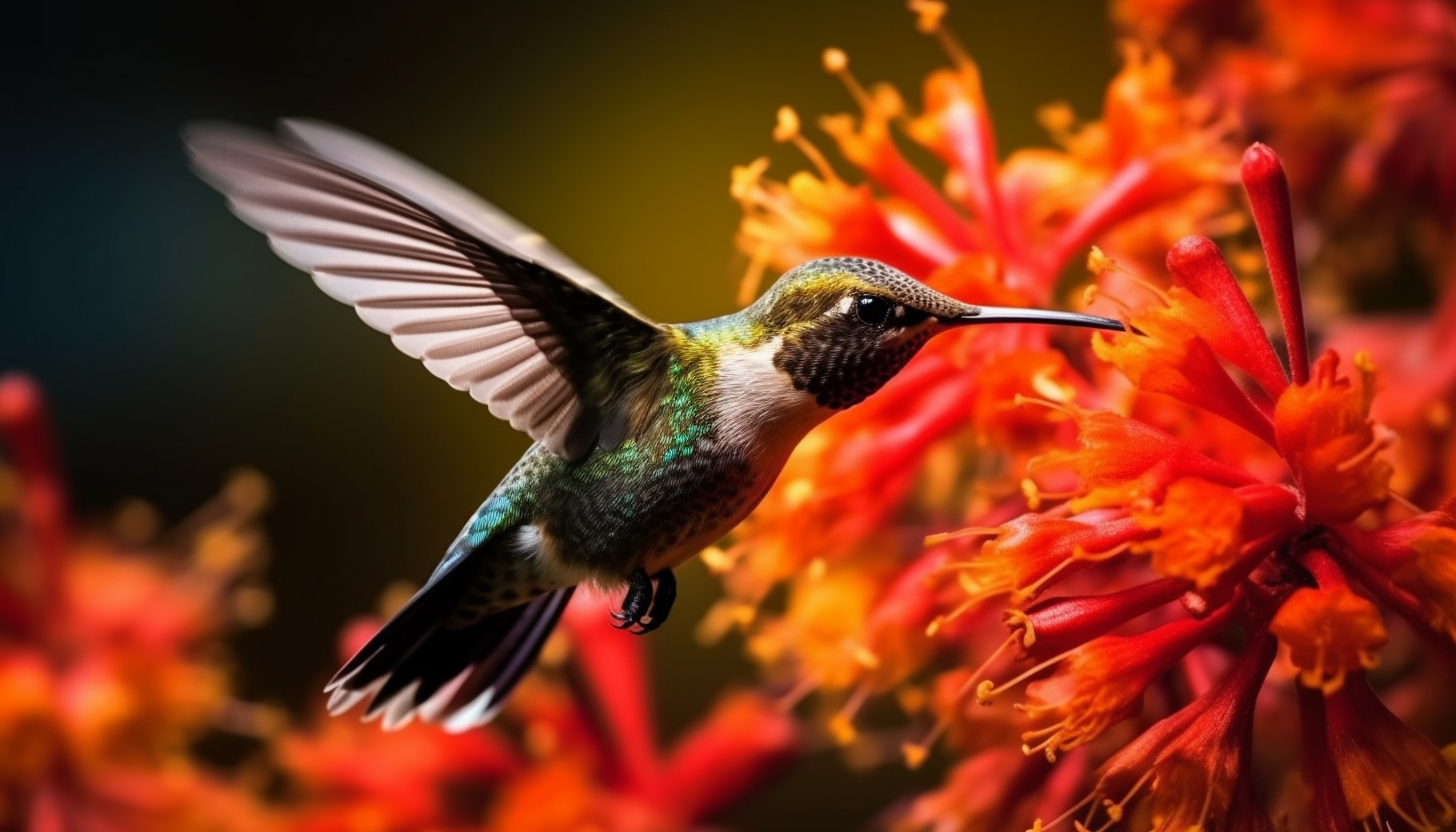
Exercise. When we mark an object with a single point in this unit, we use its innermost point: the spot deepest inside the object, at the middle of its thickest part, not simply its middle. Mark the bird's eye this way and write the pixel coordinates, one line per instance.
(874, 311)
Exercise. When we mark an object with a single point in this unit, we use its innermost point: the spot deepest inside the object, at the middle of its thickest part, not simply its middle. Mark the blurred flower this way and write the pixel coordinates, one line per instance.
(596, 764)
(1306, 559)
(576, 750)
(937, 445)
(349, 776)
(110, 648)
(1358, 95)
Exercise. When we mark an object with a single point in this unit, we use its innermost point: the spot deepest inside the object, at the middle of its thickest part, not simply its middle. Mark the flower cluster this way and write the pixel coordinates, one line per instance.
(940, 444)
(1171, 558)
(1208, 508)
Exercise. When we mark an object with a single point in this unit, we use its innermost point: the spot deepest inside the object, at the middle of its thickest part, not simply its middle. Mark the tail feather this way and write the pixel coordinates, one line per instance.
(415, 666)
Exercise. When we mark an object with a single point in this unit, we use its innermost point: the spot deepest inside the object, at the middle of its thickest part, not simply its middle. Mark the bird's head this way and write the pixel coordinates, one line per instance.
(844, 325)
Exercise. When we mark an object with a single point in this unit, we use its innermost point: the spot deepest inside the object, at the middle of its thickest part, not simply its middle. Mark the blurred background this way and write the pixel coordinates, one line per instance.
(174, 346)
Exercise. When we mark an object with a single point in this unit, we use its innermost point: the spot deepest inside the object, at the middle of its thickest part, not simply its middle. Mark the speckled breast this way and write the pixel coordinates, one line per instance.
(651, 502)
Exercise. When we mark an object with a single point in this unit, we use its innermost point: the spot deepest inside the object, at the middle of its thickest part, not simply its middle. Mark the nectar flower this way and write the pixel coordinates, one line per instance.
(940, 444)
(1252, 557)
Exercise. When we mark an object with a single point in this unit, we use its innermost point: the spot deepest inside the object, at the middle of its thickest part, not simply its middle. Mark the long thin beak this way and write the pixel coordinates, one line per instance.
(1012, 315)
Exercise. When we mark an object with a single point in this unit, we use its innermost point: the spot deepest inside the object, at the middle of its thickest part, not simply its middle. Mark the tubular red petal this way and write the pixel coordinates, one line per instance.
(615, 673)
(1197, 265)
(1268, 191)
(1058, 624)
(744, 742)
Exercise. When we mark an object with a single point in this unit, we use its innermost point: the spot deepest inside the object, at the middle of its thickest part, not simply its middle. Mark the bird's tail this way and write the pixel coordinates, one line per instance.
(459, 677)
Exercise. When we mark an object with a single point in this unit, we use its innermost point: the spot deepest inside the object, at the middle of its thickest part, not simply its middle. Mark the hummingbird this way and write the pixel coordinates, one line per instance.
(651, 441)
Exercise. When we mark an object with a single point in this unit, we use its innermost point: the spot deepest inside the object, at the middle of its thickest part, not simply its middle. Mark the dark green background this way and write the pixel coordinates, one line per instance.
(174, 346)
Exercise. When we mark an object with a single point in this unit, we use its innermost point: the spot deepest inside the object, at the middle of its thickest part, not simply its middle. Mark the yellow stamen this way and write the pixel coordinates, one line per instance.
(841, 725)
(929, 20)
(1035, 496)
(836, 63)
(916, 752)
(1093, 292)
(1099, 263)
(969, 531)
(1078, 553)
(787, 130)
(1018, 620)
(988, 690)
(797, 693)
(745, 179)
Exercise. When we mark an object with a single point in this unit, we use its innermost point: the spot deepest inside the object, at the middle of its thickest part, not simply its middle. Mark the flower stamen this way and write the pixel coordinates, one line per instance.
(787, 129)
(916, 752)
(836, 63)
(929, 17)
(988, 690)
(969, 531)
(841, 725)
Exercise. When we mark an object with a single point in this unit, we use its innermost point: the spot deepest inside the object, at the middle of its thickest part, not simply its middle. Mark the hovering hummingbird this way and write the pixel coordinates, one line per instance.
(651, 440)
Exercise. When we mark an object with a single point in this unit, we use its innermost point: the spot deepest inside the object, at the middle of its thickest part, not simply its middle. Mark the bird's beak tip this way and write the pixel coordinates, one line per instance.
(1010, 315)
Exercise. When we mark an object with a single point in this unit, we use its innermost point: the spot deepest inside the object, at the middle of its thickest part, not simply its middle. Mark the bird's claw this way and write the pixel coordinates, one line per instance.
(645, 608)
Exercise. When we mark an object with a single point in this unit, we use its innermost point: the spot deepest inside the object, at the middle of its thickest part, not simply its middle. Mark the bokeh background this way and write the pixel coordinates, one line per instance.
(175, 347)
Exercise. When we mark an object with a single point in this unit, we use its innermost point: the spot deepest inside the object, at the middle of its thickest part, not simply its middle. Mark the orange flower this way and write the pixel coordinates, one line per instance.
(1200, 531)
(1193, 766)
(1375, 768)
(1330, 632)
(1272, 550)
(936, 447)
(1101, 682)
(1325, 432)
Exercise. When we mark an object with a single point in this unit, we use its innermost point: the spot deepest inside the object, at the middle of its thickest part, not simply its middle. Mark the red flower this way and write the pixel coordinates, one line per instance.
(937, 445)
(1236, 551)
(109, 652)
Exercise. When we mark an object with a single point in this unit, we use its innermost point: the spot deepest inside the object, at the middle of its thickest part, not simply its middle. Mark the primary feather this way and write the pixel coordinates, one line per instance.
(485, 303)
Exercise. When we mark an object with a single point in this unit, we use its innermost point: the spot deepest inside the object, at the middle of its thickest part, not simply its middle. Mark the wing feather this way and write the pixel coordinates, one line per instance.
(484, 302)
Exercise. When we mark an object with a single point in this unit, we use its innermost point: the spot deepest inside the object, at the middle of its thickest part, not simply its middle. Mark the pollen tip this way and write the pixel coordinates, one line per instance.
(1099, 263)
(787, 127)
(985, 692)
(928, 15)
(835, 60)
(914, 754)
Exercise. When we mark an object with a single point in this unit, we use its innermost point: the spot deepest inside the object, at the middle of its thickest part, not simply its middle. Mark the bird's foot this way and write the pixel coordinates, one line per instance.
(636, 602)
(645, 608)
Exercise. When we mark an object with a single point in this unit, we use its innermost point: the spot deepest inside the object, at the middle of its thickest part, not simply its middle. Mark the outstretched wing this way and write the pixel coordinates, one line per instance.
(483, 301)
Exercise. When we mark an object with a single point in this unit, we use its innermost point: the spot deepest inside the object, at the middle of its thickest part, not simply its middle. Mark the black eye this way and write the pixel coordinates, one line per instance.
(873, 311)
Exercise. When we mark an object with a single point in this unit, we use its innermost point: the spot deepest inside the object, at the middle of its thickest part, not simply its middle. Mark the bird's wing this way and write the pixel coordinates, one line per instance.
(483, 301)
